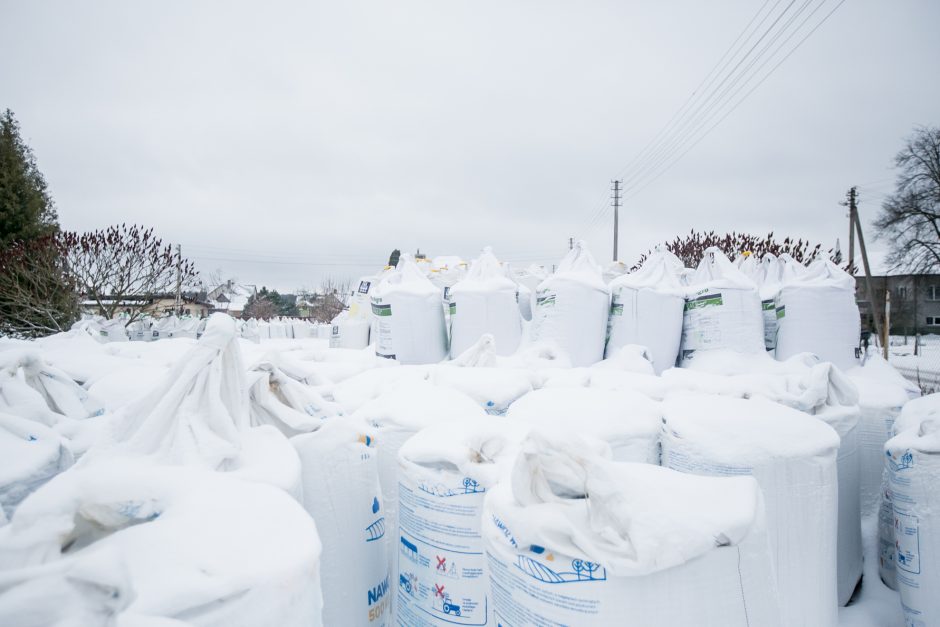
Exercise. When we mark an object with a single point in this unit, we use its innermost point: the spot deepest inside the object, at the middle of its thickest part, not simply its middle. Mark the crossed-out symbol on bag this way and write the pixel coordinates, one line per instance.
(441, 563)
(438, 591)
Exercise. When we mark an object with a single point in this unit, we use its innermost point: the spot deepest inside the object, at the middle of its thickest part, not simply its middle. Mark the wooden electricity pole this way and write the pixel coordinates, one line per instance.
(856, 226)
(616, 199)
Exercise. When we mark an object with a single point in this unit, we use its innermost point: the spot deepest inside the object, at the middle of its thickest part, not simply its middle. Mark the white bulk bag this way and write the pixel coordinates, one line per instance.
(444, 473)
(87, 592)
(282, 402)
(793, 458)
(484, 302)
(342, 494)
(844, 419)
(628, 421)
(722, 309)
(646, 308)
(817, 314)
(914, 413)
(409, 316)
(633, 545)
(571, 308)
(199, 416)
(349, 331)
(913, 460)
(114, 330)
(203, 546)
(32, 454)
(397, 414)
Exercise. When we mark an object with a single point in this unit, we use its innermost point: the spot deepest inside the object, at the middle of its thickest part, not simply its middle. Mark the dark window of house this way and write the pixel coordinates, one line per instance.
(933, 293)
(932, 321)
(902, 293)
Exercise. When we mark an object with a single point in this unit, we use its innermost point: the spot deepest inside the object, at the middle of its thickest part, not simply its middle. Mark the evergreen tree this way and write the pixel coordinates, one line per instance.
(26, 208)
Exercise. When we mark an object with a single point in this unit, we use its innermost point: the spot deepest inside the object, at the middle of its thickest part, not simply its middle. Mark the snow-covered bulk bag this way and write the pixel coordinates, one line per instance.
(793, 457)
(139, 330)
(628, 421)
(614, 270)
(484, 302)
(284, 403)
(769, 277)
(844, 419)
(915, 412)
(532, 277)
(202, 546)
(88, 592)
(882, 394)
(625, 544)
(646, 308)
(32, 454)
(571, 308)
(494, 389)
(114, 330)
(722, 309)
(60, 393)
(817, 313)
(444, 473)
(342, 494)
(409, 316)
(349, 331)
(397, 414)
(913, 461)
(199, 416)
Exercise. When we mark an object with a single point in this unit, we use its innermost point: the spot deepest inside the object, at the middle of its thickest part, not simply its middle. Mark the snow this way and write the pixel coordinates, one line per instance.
(184, 509)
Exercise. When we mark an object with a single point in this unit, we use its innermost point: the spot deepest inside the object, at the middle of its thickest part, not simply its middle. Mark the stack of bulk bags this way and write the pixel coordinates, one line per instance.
(628, 421)
(202, 546)
(573, 539)
(722, 309)
(571, 308)
(409, 317)
(484, 302)
(817, 314)
(646, 308)
(912, 459)
(793, 458)
(342, 494)
(444, 473)
(398, 413)
(33, 454)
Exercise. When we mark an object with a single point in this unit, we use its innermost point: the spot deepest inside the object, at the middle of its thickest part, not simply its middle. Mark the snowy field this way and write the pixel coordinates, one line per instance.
(209, 528)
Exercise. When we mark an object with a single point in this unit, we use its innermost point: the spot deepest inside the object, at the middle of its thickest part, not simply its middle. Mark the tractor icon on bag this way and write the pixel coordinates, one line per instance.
(450, 607)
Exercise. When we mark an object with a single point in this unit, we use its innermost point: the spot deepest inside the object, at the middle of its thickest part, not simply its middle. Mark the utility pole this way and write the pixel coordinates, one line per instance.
(570, 243)
(852, 199)
(179, 280)
(853, 218)
(616, 199)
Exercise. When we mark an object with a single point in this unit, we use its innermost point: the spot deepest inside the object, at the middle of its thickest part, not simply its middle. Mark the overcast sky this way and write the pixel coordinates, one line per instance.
(287, 141)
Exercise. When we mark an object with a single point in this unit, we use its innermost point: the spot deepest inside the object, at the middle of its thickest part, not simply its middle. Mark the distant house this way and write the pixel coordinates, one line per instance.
(193, 304)
(230, 297)
(915, 302)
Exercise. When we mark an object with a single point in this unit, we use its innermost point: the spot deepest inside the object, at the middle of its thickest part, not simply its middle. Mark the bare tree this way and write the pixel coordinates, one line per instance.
(261, 308)
(37, 294)
(124, 263)
(910, 218)
(691, 248)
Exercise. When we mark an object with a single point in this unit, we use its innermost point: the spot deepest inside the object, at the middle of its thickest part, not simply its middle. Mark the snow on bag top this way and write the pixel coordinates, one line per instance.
(484, 302)
(751, 431)
(659, 271)
(716, 270)
(634, 519)
(32, 454)
(628, 421)
(225, 564)
(493, 388)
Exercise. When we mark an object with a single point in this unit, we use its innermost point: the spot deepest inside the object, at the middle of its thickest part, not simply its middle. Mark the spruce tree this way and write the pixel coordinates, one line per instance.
(26, 208)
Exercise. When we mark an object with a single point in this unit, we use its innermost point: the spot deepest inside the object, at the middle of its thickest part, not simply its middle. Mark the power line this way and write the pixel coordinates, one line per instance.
(672, 142)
